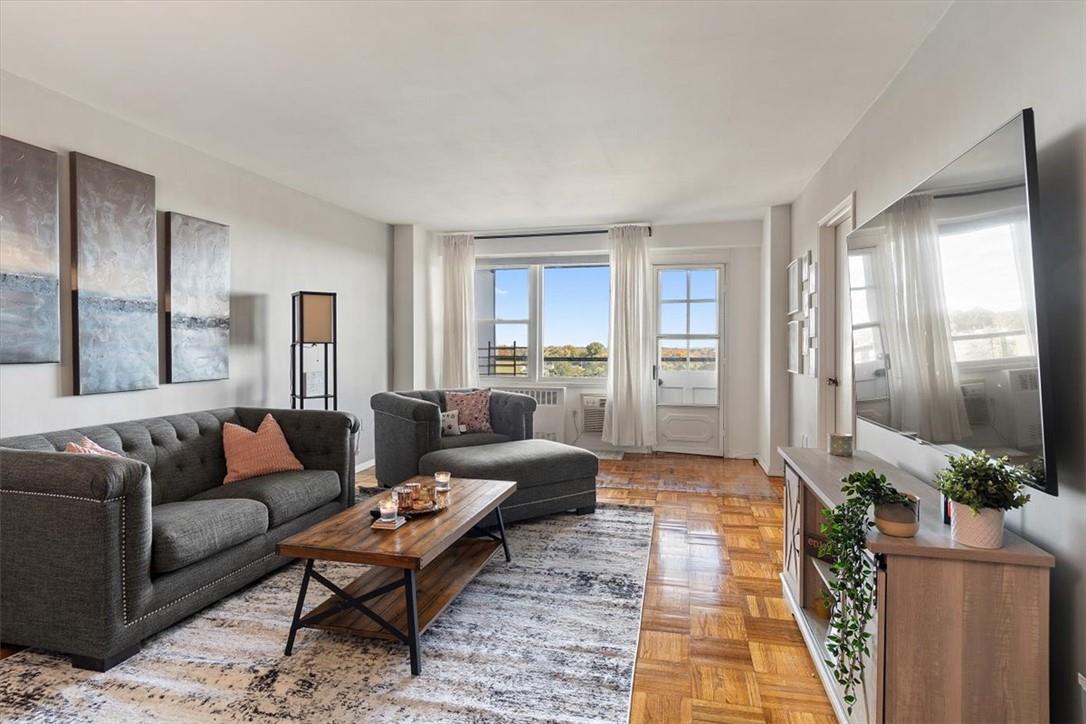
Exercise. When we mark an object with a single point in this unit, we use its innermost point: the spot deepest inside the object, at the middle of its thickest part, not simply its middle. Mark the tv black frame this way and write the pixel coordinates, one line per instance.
(1041, 265)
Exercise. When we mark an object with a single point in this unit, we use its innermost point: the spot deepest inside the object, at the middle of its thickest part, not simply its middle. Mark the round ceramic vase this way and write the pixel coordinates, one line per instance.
(976, 530)
(895, 519)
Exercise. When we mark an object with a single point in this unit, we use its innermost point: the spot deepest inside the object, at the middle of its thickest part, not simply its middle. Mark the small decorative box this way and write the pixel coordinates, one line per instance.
(841, 444)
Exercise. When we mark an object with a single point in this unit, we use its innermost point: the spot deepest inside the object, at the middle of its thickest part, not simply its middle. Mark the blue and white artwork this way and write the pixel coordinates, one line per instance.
(198, 325)
(115, 277)
(29, 254)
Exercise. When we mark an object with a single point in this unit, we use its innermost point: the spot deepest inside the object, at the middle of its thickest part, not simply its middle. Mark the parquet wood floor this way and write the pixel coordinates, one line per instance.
(718, 643)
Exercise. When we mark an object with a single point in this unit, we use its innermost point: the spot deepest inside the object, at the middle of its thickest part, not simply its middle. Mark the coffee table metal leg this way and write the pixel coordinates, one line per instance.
(412, 620)
(298, 607)
(501, 529)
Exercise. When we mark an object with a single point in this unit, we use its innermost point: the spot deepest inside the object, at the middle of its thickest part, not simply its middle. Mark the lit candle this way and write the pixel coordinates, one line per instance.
(443, 477)
(388, 507)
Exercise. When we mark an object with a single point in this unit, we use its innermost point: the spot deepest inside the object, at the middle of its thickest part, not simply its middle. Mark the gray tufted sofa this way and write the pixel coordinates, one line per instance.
(551, 477)
(97, 553)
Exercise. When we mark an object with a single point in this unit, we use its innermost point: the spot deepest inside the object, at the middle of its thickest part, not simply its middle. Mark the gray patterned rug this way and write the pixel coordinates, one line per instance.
(550, 637)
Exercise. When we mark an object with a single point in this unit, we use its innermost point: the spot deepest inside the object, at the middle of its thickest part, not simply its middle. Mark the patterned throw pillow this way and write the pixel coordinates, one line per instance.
(86, 446)
(474, 409)
(249, 454)
(450, 423)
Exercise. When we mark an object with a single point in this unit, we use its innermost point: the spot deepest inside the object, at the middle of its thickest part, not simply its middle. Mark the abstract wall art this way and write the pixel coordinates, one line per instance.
(114, 277)
(29, 254)
(198, 279)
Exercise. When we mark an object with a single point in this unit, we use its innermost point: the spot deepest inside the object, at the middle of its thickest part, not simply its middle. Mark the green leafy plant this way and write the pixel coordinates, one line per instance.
(851, 594)
(981, 481)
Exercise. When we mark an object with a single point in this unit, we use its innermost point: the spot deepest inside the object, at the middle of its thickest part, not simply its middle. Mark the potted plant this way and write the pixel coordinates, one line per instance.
(851, 594)
(896, 514)
(981, 489)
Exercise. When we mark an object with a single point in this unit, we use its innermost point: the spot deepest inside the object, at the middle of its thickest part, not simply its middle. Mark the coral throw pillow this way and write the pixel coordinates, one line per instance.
(474, 409)
(86, 446)
(249, 454)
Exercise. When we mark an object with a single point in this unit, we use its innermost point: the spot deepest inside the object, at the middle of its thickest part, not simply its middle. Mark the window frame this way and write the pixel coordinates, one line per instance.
(949, 226)
(688, 337)
(535, 323)
(500, 320)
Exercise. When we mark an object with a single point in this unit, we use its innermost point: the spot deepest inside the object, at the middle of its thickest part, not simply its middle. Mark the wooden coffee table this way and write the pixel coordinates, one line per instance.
(432, 558)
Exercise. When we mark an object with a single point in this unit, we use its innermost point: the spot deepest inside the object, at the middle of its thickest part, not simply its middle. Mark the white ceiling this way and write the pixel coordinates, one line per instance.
(460, 115)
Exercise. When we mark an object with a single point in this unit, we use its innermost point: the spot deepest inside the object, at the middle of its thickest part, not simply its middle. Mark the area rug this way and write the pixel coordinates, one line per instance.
(551, 636)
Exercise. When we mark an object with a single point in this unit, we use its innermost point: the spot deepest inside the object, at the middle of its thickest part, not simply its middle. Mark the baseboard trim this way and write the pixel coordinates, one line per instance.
(365, 465)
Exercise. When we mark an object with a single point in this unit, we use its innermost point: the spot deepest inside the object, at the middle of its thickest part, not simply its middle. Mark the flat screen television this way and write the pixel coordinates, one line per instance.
(949, 340)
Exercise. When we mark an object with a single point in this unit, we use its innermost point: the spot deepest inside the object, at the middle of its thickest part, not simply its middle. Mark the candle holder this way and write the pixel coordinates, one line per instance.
(389, 507)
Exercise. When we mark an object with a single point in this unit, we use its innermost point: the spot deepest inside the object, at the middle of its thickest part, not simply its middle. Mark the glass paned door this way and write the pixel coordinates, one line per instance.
(687, 336)
(688, 359)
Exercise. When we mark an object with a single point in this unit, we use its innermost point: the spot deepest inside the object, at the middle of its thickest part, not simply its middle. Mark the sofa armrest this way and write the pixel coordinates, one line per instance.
(404, 429)
(320, 439)
(75, 549)
(511, 414)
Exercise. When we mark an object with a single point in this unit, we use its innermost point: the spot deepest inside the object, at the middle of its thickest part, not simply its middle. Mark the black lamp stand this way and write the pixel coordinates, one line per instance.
(313, 324)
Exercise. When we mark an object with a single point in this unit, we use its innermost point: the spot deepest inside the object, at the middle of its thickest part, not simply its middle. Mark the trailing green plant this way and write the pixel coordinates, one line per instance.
(851, 596)
(981, 481)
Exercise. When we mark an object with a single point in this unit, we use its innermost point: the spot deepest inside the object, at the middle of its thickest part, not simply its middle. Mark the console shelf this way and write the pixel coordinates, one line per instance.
(959, 633)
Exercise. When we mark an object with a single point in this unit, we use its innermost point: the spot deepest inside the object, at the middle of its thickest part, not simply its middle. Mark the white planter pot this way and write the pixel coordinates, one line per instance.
(976, 530)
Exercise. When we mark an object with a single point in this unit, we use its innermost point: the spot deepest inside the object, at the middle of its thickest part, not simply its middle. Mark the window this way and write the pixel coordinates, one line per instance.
(688, 335)
(565, 339)
(984, 293)
(502, 298)
(576, 317)
(867, 345)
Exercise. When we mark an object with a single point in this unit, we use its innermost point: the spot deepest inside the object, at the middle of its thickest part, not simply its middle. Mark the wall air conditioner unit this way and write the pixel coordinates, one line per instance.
(975, 394)
(592, 411)
(1024, 428)
(548, 423)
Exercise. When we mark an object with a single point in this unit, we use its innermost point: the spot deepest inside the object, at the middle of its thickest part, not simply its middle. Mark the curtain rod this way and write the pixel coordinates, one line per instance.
(545, 233)
(956, 194)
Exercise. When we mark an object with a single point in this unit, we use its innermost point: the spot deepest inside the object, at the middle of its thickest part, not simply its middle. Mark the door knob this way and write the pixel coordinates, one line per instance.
(832, 381)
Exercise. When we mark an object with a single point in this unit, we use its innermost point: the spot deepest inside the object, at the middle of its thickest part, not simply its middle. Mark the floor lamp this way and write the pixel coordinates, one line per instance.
(313, 324)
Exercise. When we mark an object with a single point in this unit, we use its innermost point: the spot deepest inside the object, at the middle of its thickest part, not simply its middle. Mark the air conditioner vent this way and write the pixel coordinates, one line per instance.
(549, 420)
(543, 396)
(593, 408)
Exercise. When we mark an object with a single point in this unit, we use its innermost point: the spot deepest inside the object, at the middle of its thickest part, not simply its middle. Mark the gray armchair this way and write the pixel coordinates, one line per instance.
(407, 426)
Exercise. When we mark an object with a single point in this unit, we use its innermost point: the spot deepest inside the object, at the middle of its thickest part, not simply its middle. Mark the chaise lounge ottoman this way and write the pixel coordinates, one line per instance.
(551, 477)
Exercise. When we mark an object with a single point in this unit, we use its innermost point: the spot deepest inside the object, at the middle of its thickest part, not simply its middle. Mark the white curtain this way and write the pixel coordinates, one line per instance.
(925, 392)
(458, 365)
(630, 417)
(1023, 262)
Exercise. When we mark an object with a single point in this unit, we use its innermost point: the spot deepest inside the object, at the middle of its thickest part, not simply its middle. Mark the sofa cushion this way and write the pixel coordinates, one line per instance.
(252, 454)
(528, 462)
(189, 531)
(286, 495)
(473, 408)
(471, 439)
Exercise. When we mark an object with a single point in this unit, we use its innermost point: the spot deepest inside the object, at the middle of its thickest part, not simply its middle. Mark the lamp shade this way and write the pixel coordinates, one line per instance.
(315, 317)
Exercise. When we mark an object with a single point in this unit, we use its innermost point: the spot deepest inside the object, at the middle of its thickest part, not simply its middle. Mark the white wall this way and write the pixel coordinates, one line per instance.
(773, 340)
(281, 241)
(980, 65)
(736, 244)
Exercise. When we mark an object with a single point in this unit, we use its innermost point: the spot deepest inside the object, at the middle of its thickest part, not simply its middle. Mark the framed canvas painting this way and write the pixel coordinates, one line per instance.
(29, 254)
(198, 314)
(794, 287)
(795, 346)
(114, 277)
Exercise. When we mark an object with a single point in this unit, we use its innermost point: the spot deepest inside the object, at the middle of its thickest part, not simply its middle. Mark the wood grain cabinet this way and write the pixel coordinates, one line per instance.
(959, 635)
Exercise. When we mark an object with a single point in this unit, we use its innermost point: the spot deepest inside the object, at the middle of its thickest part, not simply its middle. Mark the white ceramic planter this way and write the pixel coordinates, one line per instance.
(976, 530)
